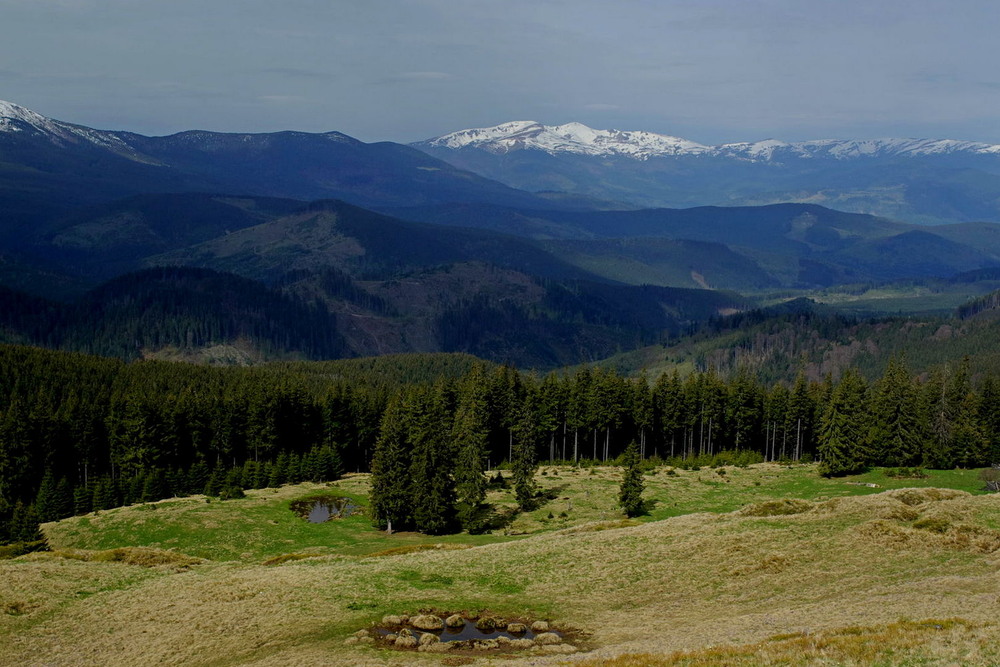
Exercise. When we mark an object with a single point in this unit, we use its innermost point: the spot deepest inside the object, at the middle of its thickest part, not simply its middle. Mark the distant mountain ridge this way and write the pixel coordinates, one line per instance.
(922, 181)
(48, 166)
(583, 140)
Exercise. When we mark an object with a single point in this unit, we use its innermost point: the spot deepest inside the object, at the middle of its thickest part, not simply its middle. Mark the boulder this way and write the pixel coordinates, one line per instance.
(540, 626)
(517, 628)
(427, 622)
(548, 638)
(428, 638)
(455, 621)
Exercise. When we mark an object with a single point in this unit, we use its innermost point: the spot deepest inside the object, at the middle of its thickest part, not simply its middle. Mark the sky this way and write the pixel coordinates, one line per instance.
(712, 71)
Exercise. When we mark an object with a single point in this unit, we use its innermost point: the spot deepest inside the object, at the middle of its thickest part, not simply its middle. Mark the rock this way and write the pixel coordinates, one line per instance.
(521, 644)
(428, 638)
(548, 638)
(403, 641)
(427, 622)
(517, 628)
(454, 621)
(392, 619)
(540, 626)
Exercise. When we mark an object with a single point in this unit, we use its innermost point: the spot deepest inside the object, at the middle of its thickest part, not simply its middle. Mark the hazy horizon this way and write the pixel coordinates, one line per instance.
(709, 71)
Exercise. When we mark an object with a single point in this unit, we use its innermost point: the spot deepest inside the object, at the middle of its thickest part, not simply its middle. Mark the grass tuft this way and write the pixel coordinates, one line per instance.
(778, 507)
(416, 548)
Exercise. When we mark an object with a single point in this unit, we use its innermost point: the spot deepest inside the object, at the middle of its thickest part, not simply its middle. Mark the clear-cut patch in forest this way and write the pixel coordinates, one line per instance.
(323, 508)
(457, 632)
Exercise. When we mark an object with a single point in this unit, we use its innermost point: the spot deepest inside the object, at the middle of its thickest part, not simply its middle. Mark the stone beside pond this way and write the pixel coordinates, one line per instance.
(473, 633)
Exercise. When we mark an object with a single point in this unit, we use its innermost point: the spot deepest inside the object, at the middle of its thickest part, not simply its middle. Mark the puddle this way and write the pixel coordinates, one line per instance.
(323, 508)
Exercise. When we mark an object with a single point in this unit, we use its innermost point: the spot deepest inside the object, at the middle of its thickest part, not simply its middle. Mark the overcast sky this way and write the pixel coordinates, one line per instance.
(404, 70)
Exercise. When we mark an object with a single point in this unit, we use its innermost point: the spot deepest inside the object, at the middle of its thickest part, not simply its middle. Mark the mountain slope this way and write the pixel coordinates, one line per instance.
(48, 167)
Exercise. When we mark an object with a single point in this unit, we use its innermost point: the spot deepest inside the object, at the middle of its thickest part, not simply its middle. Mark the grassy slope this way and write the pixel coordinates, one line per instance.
(689, 582)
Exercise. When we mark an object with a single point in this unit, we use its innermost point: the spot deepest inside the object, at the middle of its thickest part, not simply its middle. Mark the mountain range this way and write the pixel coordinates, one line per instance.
(927, 181)
(388, 249)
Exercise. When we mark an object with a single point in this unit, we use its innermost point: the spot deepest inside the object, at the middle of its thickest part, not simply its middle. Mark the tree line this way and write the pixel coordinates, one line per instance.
(79, 432)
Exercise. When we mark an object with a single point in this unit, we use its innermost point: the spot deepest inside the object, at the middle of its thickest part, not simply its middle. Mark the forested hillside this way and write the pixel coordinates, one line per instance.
(80, 432)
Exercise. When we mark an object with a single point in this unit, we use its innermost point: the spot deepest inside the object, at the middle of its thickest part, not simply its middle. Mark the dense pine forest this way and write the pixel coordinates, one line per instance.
(81, 433)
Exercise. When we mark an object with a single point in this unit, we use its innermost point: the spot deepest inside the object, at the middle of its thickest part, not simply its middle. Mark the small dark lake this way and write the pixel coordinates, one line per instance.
(323, 508)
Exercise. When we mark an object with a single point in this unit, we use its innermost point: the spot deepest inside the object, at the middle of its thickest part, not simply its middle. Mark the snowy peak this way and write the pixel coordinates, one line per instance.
(17, 119)
(577, 138)
(568, 138)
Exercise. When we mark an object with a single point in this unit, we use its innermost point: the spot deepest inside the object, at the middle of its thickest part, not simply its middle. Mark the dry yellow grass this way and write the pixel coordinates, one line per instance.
(708, 587)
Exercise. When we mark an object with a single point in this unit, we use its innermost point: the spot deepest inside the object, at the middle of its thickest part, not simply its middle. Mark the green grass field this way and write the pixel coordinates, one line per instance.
(716, 574)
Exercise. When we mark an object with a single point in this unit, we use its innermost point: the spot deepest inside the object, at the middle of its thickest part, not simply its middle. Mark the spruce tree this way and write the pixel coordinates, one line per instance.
(390, 476)
(82, 500)
(894, 436)
(469, 435)
(431, 483)
(842, 427)
(632, 486)
(46, 502)
(524, 463)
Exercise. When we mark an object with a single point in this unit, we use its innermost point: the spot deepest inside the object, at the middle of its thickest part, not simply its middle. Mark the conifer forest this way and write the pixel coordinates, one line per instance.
(81, 433)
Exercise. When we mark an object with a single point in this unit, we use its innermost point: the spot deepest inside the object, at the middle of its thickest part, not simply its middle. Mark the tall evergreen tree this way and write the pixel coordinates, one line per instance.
(525, 463)
(390, 488)
(842, 428)
(894, 436)
(432, 487)
(632, 486)
(470, 434)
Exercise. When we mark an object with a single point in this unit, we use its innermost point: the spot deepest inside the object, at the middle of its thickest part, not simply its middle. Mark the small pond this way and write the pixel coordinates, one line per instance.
(323, 508)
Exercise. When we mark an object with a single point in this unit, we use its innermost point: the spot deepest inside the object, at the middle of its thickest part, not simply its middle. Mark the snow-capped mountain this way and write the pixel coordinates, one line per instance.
(568, 138)
(576, 138)
(17, 119)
